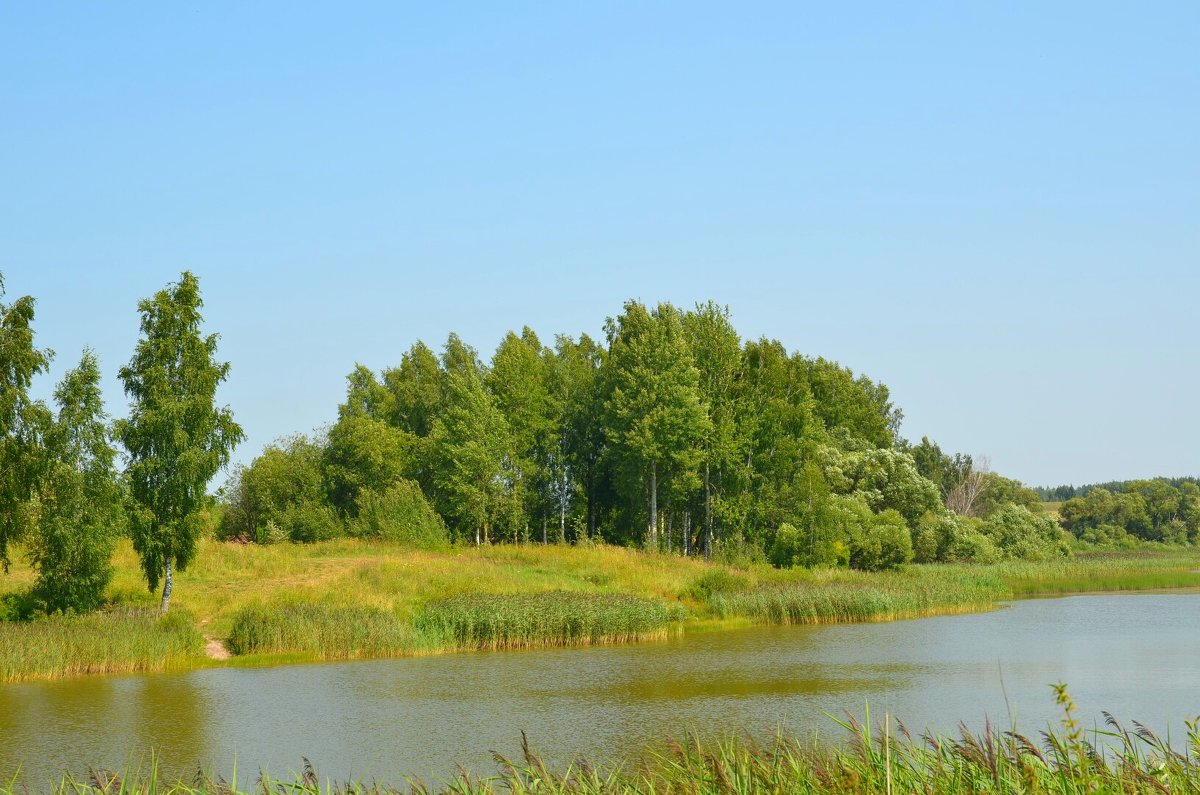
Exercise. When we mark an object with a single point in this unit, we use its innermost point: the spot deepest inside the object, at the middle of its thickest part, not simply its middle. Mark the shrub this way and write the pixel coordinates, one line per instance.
(1019, 533)
(1108, 536)
(884, 543)
(785, 550)
(402, 513)
(951, 538)
(718, 581)
(968, 545)
(737, 551)
(307, 522)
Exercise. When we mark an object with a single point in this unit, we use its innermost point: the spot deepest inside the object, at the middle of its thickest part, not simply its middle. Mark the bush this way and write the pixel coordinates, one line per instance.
(968, 545)
(1019, 533)
(402, 513)
(786, 549)
(308, 522)
(951, 538)
(718, 581)
(884, 543)
(1108, 536)
(737, 551)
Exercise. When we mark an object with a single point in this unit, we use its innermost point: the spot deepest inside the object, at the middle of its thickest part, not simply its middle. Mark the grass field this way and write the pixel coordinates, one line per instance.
(349, 598)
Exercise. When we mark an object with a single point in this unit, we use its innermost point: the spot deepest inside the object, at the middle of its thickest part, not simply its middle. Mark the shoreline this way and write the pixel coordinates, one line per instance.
(382, 617)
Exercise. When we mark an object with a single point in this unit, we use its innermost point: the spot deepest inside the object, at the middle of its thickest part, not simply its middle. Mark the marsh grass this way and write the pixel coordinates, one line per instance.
(324, 631)
(554, 618)
(843, 596)
(880, 756)
(115, 641)
(1117, 571)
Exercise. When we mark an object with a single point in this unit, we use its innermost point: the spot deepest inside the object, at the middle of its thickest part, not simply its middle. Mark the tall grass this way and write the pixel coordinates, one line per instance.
(881, 757)
(369, 597)
(1112, 571)
(555, 618)
(848, 596)
(115, 641)
(324, 631)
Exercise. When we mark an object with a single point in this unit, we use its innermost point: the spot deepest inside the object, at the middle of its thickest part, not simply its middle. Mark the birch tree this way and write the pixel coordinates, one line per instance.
(176, 436)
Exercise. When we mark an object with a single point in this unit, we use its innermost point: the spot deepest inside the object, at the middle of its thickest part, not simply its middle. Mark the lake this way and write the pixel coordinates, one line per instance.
(1137, 656)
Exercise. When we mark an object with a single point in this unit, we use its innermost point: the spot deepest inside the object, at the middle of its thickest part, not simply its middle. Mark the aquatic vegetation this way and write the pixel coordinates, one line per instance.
(324, 631)
(114, 641)
(555, 618)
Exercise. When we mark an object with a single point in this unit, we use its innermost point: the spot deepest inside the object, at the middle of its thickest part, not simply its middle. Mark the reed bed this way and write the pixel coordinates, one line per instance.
(1121, 571)
(873, 757)
(554, 618)
(846, 597)
(323, 631)
(115, 641)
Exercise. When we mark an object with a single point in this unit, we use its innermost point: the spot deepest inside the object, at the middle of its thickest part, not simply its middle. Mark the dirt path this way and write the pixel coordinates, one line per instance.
(214, 648)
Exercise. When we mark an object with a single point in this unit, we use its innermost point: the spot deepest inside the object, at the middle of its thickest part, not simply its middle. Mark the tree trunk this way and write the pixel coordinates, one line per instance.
(591, 510)
(562, 511)
(670, 528)
(167, 583)
(707, 513)
(654, 505)
(544, 523)
(687, 532)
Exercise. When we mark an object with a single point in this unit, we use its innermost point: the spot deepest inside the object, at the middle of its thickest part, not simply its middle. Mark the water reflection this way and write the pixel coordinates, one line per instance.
(1132, 655)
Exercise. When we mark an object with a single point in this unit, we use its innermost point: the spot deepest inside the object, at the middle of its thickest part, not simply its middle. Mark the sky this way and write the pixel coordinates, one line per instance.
(993, 208)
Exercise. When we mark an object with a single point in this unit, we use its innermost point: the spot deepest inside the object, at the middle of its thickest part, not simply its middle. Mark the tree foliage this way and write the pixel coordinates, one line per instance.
(176, 436)
(79, 510)
(22, 420)
(673, 434)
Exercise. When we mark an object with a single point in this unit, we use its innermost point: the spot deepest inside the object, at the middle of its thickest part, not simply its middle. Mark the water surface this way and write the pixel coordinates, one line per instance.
(1137, 656)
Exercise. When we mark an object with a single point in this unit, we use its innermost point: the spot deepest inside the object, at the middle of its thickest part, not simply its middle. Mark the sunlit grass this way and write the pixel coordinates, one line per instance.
(554, 618)
(109, 642)
(353, 598)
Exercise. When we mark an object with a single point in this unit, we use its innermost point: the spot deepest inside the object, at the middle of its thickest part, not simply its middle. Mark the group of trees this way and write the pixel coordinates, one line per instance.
(61, 494)
(673, 434)
(1136, 510)
(1066, 492)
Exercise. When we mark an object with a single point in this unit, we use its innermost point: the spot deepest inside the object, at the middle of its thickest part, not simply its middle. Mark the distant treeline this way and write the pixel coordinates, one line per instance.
(1165, 510)
(1063, 493)
(672, 433)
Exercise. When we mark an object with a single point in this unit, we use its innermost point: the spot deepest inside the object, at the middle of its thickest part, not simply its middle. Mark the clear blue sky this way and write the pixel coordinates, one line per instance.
(994, 208)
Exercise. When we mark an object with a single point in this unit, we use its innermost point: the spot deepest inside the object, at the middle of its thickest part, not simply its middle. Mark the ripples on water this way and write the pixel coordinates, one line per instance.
(1137, 656)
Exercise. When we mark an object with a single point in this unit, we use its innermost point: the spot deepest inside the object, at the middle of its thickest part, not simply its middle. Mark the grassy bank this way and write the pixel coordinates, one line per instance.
(350, 598)
(882, 757)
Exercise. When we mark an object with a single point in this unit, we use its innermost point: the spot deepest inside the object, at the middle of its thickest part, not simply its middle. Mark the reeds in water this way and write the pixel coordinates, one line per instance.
(325, 631)
(553, 618)
(114, 641)
(858, 597)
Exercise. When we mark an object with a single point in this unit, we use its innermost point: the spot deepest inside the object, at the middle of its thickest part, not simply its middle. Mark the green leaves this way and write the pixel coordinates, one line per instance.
(655, 419)
(176, 436)
(79, 499)
(474, 472)
(22, 420)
